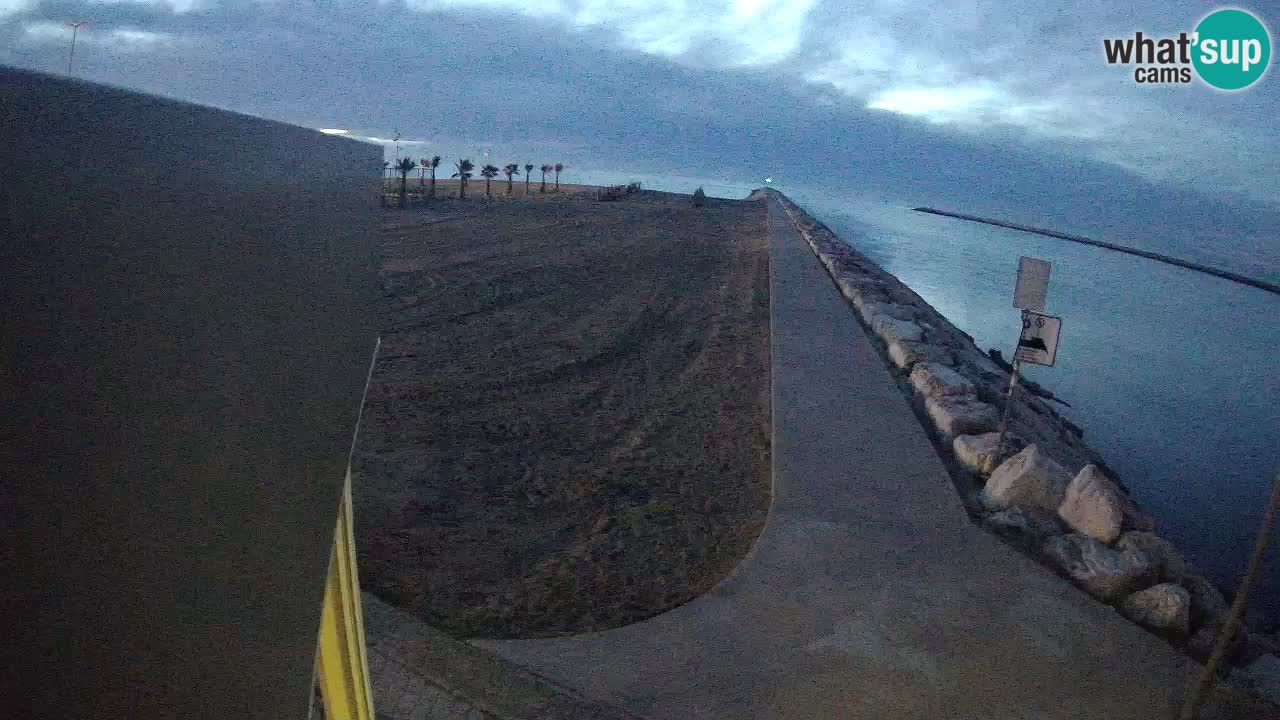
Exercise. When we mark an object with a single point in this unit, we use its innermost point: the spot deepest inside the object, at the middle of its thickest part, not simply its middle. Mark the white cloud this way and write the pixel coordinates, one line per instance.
(44, 32)
(769, 30)
(120, 39)
(1036, 75)
(13, 7)
(727, 32)
(178, 6)
(389, 141)
(135, 38)
(534, 8)
(938, 104)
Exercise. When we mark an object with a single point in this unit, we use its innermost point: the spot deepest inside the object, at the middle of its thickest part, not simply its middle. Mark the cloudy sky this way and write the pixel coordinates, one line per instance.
(1004, 106)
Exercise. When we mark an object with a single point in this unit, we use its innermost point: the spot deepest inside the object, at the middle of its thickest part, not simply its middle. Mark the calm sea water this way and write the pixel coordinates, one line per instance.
(1173, 374)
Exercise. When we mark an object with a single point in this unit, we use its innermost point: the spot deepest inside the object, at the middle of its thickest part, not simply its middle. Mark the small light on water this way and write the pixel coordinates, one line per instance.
(768, 179)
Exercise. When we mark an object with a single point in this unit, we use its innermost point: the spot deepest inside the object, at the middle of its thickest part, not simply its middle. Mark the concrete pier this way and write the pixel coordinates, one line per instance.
(868, 594)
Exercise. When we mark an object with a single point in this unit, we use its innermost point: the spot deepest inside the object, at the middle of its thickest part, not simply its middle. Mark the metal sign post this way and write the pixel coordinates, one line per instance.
(1004, 420)
(75, 28)
(1038, 341)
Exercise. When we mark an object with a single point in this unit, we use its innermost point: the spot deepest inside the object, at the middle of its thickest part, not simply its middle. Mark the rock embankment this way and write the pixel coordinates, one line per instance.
(1047, 492)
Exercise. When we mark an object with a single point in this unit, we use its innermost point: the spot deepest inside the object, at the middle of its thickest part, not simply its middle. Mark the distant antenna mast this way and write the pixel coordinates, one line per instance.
(75, 28)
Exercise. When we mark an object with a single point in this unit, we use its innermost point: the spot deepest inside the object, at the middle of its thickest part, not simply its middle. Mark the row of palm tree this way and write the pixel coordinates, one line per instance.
(464, 173)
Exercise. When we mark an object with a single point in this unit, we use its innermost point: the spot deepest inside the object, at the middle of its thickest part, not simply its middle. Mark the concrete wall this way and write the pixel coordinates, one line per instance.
(186, 334)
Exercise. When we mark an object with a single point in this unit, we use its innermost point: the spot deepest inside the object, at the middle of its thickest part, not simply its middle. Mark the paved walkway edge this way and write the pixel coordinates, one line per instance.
(419, 673)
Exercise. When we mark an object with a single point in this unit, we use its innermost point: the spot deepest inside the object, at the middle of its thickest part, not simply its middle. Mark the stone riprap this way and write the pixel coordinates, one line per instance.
(1093, 505)
(1165, 607)
(1028, 478)
(1019, 523)
(1046, 491)
(915, 333)
(975, 452)
(1102, 571)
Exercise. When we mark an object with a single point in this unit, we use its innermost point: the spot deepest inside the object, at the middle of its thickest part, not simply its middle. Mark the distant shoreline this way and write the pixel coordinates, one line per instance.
(1207, 269)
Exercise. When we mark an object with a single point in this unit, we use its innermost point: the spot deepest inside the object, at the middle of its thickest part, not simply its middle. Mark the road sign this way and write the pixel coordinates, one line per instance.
(1038, 343)
(1033, 284)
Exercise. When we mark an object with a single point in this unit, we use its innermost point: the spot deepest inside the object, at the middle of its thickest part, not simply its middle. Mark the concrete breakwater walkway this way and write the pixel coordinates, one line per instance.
(868, 594)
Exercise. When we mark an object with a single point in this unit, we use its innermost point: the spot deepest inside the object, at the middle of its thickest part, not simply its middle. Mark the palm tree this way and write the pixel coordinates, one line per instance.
(510, 169)
(527, 169)
(488, 172)
(404, 166)
(544, 169)
(464, 173)
(559, 167)
(435, 163)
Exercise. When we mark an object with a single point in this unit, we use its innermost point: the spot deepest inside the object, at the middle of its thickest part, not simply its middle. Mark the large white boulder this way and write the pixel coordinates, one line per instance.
(960, 415)
(852, 284)
(939, 381)
(864, 297)
(1093, 505)
(1029, 479)
(1103, 572)
(867, 308)
(978, 452)
(1172, 566)
(890, 328)
(900, 293)
(906, 353)
(1165, 607)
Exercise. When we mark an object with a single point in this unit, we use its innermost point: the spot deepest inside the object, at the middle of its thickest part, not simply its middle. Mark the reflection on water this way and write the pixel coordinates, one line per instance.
(1172, 373)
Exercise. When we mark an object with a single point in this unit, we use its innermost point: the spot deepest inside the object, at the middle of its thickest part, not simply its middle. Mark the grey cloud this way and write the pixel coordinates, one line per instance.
(463, 79)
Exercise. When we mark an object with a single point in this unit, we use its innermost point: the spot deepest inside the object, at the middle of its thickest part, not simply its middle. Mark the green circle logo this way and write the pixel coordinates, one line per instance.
(1232, 49)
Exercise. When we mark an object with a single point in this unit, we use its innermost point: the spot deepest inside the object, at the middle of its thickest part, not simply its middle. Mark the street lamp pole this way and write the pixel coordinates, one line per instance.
(75, 28)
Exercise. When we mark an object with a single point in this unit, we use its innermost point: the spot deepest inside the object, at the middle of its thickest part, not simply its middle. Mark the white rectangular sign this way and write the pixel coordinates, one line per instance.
(1038, 343)
(1033, 284)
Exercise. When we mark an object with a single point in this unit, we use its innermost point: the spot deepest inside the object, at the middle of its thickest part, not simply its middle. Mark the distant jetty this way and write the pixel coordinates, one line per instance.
(1225, 274)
